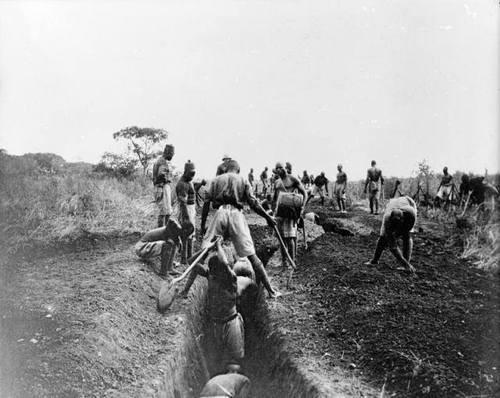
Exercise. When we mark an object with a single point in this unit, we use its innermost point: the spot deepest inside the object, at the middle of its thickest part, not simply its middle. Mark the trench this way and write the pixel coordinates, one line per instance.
(271, 370)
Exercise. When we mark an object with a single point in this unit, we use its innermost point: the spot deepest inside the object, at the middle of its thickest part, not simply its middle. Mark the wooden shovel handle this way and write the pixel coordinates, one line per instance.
(192, 265)
(284, 247)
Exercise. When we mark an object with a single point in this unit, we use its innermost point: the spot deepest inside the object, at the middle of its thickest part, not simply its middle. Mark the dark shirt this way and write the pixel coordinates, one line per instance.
(305, 179)
(185, 191)
(162, 172)
(263, 176)
(250, 178)
(320, 181)
(232, 189)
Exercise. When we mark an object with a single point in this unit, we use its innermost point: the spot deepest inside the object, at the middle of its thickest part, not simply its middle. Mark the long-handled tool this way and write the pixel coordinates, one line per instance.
(168, 290)
(304, 233)
(285, 249)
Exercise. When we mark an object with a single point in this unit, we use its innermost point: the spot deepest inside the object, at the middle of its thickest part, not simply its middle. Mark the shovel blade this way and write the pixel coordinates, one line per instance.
(166, 296)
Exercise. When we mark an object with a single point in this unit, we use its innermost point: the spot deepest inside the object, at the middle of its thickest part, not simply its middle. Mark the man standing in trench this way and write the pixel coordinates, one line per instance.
(398, 222)
(228, 193)
(162, 178)
(287, 225)
(373, 184)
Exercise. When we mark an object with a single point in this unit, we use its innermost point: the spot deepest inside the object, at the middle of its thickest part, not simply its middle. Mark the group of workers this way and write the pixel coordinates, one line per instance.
(233, 278)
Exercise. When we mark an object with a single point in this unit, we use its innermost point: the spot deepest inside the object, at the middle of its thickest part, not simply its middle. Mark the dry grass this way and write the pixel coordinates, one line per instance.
(47, 209)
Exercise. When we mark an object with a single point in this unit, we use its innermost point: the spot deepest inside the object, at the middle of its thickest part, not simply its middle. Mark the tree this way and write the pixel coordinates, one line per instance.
(115, 165)
(144, 142)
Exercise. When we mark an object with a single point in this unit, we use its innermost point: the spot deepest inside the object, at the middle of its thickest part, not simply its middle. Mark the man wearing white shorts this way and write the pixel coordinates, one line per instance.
(228, 193)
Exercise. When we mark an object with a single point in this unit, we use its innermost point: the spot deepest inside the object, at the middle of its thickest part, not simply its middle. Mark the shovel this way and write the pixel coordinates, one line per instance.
(282, 244)
(168, 290)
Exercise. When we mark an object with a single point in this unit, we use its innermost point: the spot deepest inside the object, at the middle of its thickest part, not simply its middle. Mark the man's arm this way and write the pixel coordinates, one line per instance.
(221, 254)
(381, 178)
(256, 206)
(367, 180)
(399, 257)
(181, 190)
(300, 188)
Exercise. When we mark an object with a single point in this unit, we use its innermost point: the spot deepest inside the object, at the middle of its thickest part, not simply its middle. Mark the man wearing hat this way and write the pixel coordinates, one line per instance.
(162, 178)
(221, 169)
(399, 219)
(287, 223)
(340, 187)
(186, 212)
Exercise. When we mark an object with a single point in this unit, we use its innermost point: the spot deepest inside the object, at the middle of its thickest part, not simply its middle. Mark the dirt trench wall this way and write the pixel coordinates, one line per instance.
(188, 370)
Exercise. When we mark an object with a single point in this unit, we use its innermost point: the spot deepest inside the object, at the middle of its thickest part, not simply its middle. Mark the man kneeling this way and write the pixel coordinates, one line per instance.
(163, 242)
(399, 220)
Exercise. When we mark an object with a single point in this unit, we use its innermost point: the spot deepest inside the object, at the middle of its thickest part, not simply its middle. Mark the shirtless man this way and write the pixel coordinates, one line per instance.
(288, 167)
(320, 187)
(339, 188)
(163, 242)
(287, 225)
(373, 184)
(399, 219)
(263, 179)
(231, 385)
(445, 189)
(228, 193)
(186, 212)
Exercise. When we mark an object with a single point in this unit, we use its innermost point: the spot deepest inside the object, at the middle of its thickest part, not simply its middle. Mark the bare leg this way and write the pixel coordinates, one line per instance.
(167, 257)
(261, 274)
(407, 247)
(381, 245)
(342, 202)
(371, 203)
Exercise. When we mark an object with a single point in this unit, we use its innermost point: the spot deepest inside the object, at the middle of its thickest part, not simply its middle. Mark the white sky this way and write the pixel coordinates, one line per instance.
(312, 82)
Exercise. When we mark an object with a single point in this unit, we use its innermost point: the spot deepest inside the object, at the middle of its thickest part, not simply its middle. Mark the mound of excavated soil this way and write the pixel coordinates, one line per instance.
(435, 333)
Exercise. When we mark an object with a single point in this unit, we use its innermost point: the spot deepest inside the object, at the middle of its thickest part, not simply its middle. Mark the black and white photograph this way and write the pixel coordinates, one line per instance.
(249, 199)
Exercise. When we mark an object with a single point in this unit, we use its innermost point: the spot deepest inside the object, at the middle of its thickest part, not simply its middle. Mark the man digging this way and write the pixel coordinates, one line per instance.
(398, 222)
(228, 193)
(320, 186)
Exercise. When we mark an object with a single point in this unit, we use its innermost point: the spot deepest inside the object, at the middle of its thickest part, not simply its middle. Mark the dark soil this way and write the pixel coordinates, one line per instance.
(435, 333)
